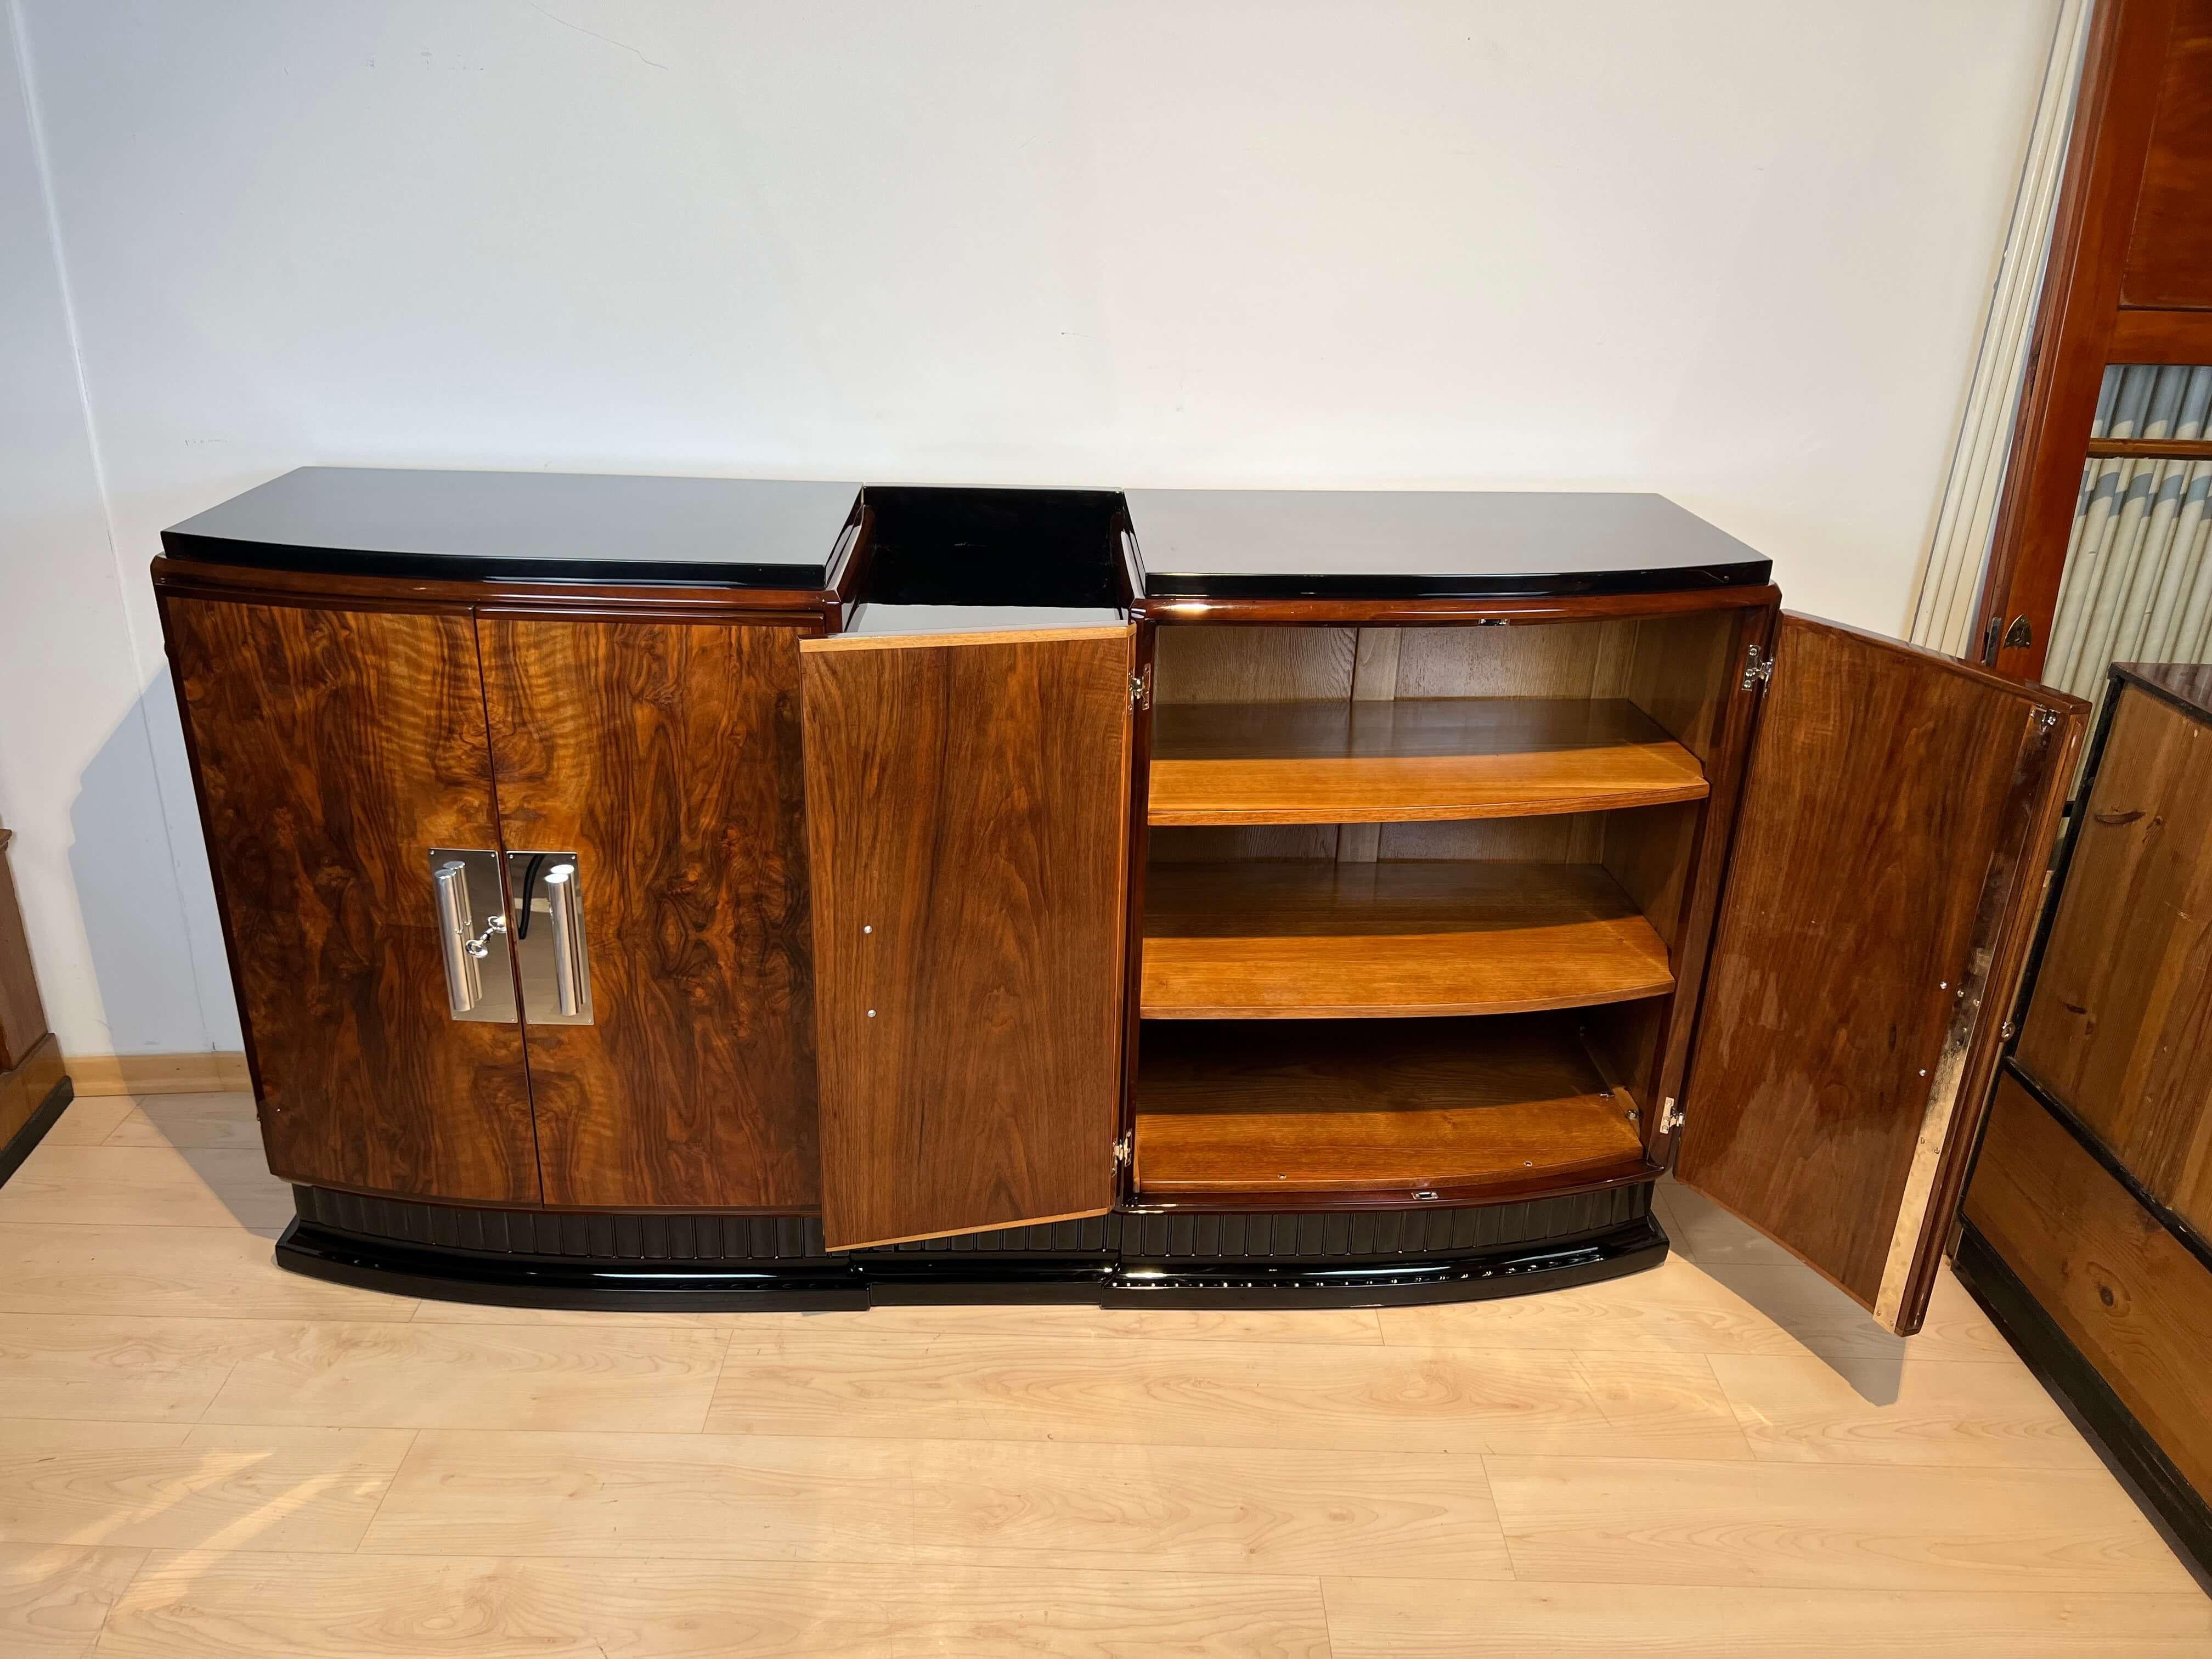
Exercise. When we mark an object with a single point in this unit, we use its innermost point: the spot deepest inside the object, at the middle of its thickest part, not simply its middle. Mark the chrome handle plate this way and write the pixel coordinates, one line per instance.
(456, 922)
(549, 937)
(465, 884)
(571, 973)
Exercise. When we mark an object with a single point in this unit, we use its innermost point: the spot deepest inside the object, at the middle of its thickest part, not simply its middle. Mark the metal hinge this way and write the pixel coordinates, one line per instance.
(1671, 1117)
(2046, 718)
(1121, 1151)
(1758, 667)
(1140, 688)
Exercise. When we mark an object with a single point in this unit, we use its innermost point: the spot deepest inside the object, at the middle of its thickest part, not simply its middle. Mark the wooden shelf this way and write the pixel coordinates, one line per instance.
(1425, 758)
(1303, 938)
(1452, 1106)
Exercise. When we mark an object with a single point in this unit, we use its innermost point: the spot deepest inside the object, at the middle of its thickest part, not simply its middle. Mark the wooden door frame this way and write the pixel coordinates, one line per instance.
(2081, 326)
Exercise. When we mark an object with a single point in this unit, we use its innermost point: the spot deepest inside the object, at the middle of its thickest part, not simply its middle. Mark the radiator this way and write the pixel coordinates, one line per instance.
(2138, 581)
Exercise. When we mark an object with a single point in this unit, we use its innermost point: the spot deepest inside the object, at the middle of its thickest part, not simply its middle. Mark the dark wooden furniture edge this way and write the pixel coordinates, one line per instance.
(2145, 336)
(161, 596)
(2105, 1421)
(25, 1141)
(287, 558)
(2157, 679)
(191, 578)
(1726, 775)
(1446, 611)
(847, 573)
(1138, 836)
(1464, 1195)
(1177, 589)
(2149, 449)
(2017, 946)
(2107, 1160)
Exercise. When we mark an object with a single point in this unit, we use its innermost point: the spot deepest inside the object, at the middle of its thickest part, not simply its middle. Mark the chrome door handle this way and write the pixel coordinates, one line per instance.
(456, 922)
(550, 947)
(479, 981)
(572, 988)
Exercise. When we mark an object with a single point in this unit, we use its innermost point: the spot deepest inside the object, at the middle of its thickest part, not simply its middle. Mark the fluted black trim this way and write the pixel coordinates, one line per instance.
(1330, 1258)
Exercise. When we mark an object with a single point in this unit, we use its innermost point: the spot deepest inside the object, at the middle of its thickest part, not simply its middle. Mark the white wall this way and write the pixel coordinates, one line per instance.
(103, 902)
(1731, 250)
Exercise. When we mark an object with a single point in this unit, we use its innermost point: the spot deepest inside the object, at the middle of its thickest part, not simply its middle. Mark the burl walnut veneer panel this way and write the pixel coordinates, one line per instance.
(666, 756)
(334, 749)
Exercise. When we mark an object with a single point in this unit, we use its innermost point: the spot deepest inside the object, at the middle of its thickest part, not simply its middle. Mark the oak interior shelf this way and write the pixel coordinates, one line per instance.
(1449, 1107)
(1420, 758)
(1312, 938)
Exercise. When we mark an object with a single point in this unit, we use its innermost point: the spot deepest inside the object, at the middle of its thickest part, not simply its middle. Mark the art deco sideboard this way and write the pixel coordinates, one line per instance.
(651, 891)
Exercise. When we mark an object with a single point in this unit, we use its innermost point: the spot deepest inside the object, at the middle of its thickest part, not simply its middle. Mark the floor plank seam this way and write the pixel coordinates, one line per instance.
(1871, 1593)
(215, 1393)
(122, 1594)
(1505, 1533)
(390, 1481)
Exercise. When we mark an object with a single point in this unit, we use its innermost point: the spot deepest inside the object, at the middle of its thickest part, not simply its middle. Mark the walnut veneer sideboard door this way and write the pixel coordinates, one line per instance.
(1896, 826)
(663, 758)
(334, 750)
(967, 801)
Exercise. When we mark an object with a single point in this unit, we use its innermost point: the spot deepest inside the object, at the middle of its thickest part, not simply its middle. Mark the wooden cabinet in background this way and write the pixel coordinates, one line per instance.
(2120, 1026)
(2088, 1218)
(2128, 280)
(33, 1087)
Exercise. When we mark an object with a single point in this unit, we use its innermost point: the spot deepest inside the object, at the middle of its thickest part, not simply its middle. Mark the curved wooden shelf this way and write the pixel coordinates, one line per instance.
(1455, 1107)
(1420, 758)
(1302, 938)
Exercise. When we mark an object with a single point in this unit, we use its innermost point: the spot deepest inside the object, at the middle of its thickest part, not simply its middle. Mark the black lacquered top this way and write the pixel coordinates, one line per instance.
(962, 545)
(732, 532)
(1387, 544)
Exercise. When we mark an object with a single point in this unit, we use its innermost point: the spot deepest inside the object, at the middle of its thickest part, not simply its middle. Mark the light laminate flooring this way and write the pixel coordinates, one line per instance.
(204, 1457)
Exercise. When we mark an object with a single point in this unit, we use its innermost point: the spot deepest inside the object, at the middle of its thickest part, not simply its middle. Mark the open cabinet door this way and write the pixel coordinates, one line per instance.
(967, 809)
(1890, 855)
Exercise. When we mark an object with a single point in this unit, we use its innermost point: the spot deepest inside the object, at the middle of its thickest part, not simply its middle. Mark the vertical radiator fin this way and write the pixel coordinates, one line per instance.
(2138, 580)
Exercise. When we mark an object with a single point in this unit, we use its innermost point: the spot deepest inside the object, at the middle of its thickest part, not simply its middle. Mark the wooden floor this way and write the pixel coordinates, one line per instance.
(202, 1455)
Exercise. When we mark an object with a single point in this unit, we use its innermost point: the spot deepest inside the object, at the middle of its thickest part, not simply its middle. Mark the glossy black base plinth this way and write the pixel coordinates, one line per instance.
(25, 1141)
(733, 1264)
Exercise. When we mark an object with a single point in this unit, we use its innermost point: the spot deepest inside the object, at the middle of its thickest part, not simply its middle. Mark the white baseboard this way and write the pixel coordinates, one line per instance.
(206, 1074)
